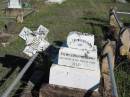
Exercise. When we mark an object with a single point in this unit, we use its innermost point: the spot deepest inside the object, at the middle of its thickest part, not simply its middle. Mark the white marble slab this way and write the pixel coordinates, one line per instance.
(80, 40)
(74, 77)
(55, 1)
(14, 4)
(78, 58)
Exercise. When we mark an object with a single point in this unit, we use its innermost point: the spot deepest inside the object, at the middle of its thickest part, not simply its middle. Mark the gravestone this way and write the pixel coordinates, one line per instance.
(14, 4)
(55, 1)
(35, 40)
(78, 64)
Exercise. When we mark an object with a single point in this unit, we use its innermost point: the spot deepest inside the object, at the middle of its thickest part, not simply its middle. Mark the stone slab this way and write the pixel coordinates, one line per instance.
(55, 1)
(78, 58)
(14, 4)
(74, 77)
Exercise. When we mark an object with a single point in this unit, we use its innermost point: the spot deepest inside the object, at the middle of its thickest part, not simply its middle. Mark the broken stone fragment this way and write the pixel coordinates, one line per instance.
(125, 40)
(108, 48)
(78, 40)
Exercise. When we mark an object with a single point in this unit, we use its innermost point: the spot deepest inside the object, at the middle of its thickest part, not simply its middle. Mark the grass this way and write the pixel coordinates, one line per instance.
(89, 16)
(122, 75)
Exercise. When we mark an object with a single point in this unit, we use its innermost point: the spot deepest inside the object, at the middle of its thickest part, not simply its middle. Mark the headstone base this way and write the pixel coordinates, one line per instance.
(48, 90)
(74, 77)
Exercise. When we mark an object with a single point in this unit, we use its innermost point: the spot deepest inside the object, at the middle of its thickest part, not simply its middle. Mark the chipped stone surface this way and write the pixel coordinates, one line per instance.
(80, 40)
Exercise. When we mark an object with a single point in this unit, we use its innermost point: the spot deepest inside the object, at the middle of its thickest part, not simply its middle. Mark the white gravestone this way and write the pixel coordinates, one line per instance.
(80, 40)
(55, 1)
(74, 77)
(78, 58)
(35, 40)
(14, 4)
(78, 65)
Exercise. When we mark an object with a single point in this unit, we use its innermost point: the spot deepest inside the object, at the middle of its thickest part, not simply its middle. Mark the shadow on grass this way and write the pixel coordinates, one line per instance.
(101, 23)
(12, 62)
(38, 73)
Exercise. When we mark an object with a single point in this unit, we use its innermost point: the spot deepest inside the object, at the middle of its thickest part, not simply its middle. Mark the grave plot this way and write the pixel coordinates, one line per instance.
(35, 40)
(77, 67)
(16, 10)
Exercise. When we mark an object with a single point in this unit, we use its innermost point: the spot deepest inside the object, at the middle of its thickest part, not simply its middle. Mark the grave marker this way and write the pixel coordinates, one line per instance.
(78, 65)
(14, 4)
(35, 41)
(78, 58)
(55, 1)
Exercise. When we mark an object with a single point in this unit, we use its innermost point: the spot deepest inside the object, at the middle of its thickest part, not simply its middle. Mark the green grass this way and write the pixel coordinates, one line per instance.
(122, 75)
(90, 16)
